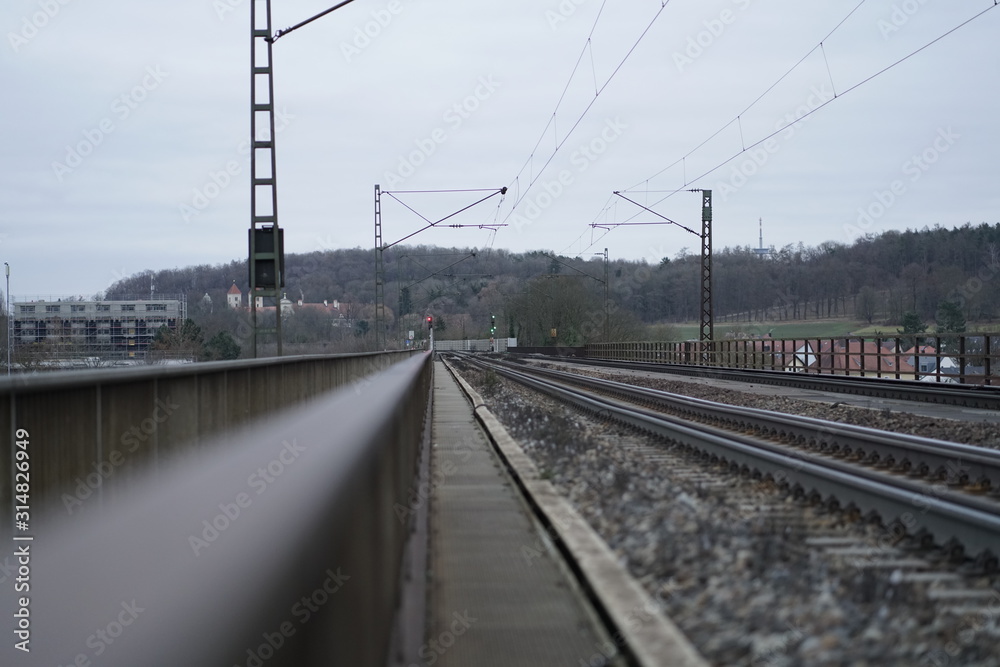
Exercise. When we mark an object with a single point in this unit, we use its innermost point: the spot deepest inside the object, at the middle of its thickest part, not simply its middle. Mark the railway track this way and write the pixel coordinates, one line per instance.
(944, 493)
(967, 396)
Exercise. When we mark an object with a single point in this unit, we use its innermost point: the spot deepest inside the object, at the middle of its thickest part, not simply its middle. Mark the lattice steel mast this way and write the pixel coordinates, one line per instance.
(266, 257)
(267, 248)
(707, 331)
(707, 319)
(380, 323)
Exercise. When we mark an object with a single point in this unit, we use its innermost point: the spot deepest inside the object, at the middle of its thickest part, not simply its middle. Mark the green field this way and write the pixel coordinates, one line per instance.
(806, 329)
(800, 329)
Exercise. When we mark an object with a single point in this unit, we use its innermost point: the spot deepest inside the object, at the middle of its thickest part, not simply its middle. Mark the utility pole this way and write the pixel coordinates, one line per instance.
(267, 275)
(10, 322)
(381, 326)
(380, 323)
(267, 244)
(607, 312)
(707, 333)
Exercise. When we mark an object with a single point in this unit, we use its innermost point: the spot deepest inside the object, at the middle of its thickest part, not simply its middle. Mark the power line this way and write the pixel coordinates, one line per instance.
(752, 104)
(534, 176)
(799, 119)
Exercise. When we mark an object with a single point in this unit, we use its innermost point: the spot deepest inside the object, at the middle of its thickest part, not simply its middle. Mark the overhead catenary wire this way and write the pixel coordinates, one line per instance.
(747, 147)
(534, 175)
(750, 106)
(494, 192)
(809, 113)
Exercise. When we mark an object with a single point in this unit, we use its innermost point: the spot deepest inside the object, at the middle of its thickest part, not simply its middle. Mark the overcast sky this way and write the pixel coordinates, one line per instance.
(124, 124)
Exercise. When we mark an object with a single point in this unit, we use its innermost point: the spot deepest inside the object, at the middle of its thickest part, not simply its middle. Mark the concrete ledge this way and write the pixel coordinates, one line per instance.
(640, 627)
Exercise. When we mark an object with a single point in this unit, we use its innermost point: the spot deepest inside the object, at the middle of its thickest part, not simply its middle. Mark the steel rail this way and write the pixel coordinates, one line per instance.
(987, 398)
(970, 521)
(911, 453)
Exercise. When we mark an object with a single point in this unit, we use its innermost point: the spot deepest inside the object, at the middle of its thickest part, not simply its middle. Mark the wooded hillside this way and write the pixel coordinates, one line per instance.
(878, 279)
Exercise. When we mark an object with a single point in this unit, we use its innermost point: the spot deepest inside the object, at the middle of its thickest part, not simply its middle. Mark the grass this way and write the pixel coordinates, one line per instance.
(797, 329)
(803, 329)
(892, 330)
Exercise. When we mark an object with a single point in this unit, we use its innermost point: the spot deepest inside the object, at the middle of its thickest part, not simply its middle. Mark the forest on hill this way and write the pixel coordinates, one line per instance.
(878, 279)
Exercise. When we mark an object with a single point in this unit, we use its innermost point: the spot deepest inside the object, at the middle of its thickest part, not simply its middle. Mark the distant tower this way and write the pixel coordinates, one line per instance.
(760, 249)
(234, 298)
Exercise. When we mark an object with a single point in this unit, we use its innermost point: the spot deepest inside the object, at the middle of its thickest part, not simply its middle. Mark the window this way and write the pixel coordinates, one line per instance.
(103, 307)
(27, 309)
(128, 307)
(156, 306)
(75, 308)
(52, 309)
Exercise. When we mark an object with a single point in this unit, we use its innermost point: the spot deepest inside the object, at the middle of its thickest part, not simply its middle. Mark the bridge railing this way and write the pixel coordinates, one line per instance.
(276, 543)
(88, 427)
(953, 358)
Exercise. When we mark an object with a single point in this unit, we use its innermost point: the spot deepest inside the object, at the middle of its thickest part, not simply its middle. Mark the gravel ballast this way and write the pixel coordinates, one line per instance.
(728, 558)
(983, 434)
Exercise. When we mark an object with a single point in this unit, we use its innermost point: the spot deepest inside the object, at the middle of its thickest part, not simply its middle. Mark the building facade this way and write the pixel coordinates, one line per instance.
(108, 329)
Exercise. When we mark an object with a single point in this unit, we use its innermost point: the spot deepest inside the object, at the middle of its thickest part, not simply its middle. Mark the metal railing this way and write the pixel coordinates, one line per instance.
(277, 543)
(88, 427)
(952, 358)
(473, 345)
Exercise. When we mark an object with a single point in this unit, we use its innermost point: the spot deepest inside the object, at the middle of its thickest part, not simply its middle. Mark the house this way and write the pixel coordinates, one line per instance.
(857, 357)
(234, 297)
(795, 356)
(931, 366)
